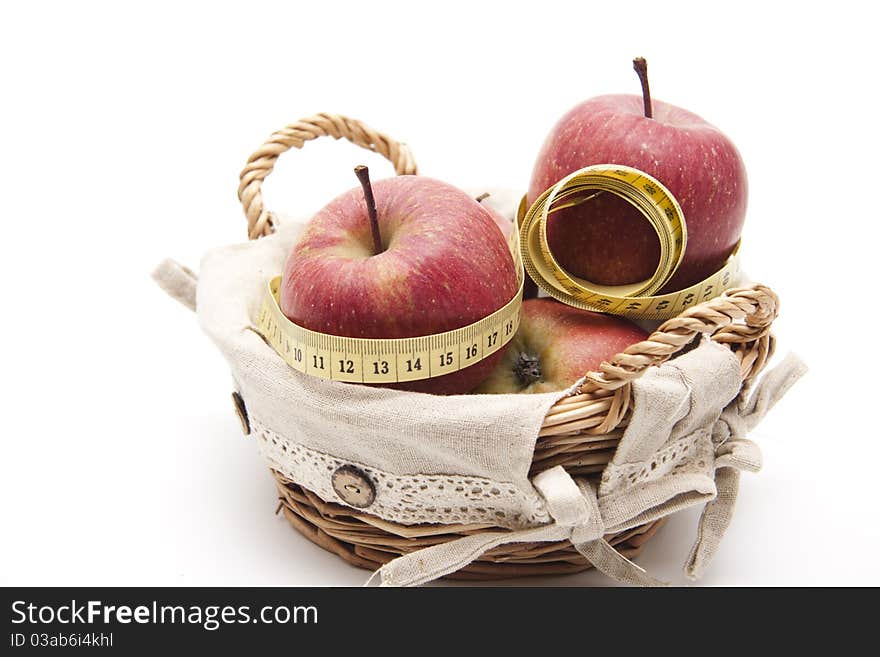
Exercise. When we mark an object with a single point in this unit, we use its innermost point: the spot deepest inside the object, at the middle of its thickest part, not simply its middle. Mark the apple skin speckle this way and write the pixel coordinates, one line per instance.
(445, 265)
(606, 240)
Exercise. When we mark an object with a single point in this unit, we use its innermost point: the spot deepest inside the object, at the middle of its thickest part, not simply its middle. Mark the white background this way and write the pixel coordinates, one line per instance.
(123, 131)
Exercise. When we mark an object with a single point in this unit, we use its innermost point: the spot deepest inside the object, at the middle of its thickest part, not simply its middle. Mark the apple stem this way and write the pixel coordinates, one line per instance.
(482, 197)
(641, 67)
(363, 174)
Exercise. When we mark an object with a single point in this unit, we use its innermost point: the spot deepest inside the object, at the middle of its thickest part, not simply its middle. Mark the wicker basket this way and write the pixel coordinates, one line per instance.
(580, 432)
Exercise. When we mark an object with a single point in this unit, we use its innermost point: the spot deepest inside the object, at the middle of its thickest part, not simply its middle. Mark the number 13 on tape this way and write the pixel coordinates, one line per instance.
(376, 360)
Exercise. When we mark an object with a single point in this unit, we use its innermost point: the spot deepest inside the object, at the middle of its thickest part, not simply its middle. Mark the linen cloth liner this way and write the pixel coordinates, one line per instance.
(686, 423)
(490, 436)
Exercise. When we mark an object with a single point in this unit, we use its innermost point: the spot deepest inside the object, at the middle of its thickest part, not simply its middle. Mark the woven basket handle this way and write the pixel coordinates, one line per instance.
(295, 135)
(758, 305)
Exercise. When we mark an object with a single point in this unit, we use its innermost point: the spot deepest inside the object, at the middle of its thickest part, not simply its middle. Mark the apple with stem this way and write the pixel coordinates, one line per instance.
(556, 345)
(606, 240)
(403, 257)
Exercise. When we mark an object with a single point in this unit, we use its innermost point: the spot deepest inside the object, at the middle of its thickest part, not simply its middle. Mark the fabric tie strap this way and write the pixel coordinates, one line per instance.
(574, 507)
(735, 453)
(577, 513)
(179, 282)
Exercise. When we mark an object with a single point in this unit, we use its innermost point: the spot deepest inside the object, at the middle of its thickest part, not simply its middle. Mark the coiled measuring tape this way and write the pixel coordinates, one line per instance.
(393, 360)
(662, 211)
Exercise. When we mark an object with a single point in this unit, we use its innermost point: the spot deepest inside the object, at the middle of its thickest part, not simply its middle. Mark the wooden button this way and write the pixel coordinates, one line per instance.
(353, 486)
(241, 412)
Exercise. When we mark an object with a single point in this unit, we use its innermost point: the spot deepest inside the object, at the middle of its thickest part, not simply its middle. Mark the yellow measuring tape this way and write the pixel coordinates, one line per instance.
(378, 360)
(393, 360)
(662, 211)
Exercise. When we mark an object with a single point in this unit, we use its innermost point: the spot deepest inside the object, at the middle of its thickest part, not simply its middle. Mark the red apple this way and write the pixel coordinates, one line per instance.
(556, 345)
(606, 240)
(429, 259)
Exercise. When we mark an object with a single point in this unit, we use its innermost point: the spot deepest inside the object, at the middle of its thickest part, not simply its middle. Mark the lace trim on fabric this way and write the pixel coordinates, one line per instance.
(688, 454)
(407, 499)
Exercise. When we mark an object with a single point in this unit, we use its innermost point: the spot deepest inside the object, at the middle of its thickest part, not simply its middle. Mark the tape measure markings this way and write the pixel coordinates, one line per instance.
(637, 300)
(392, 360)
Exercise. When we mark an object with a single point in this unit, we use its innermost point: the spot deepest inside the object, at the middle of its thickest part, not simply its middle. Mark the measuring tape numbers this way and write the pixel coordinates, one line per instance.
(392, 360)
(659, 207)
